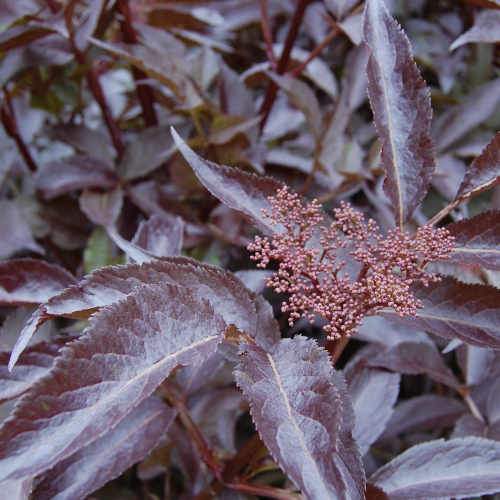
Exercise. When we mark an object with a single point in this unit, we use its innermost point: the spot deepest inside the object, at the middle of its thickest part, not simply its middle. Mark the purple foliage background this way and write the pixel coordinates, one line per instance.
(142, 352)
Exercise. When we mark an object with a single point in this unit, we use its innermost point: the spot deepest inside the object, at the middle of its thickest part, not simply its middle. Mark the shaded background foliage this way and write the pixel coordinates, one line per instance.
(276, 91)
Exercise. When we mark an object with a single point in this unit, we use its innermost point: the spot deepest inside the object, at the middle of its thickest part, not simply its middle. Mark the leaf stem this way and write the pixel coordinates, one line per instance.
(144, 91)
(465, 393)
(444, 212)
(206, 453)
(9, 123)
(272, 88)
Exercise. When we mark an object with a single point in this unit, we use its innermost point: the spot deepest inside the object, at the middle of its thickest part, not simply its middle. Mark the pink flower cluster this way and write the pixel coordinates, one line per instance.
(345, 269)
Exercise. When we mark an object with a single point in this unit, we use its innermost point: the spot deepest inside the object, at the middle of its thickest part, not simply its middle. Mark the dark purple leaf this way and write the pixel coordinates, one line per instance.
(475, 362)
(12, 11)
(99, 379)
(145, 152)
(30, 281)
(493, 403)
(484, 171)
(161, 235)
(247, 193)
(73, 173)
(458, 120)
(477, 240)
(412, 358)
(468, 425)
(254, 279)
(455, 468)
(402, 112)
(216, 412)
(448, 175)
(387, 333)
(339, 8)
(88, 24)
(33, 364)
(102, 208)
(373, 394)
(86, 141)
(109, 285)
(454, 310)
(486, 29)
(236, 99)
(303, 98)
(106, 458)
(316, 71)
(421, 413)
(171, 71)
(17, 489)
(302, 411)
(132, 251)
(15, 231)
(353, 93)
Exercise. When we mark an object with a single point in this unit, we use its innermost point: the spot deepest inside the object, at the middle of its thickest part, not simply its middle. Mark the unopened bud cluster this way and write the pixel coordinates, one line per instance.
(345, 269)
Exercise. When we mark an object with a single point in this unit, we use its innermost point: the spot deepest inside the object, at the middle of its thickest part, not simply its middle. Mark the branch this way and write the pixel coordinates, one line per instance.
(9, 123)
(144, 91)
(272, 88)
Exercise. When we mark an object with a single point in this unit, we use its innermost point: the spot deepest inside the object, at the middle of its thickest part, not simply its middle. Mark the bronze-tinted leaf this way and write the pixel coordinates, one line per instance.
(302, 411)
(477, 240)
(106, 458)
(402, 112)
(31, 281)
(100, 378)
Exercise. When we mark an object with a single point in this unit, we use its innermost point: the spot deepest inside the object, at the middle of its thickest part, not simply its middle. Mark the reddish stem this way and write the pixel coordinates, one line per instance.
(272, 88)
(265, 491)
(204, 450)
(266, 32)
(315, 53)
(95, 87)
(98, 93)
(144, 91)
(9, 122)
